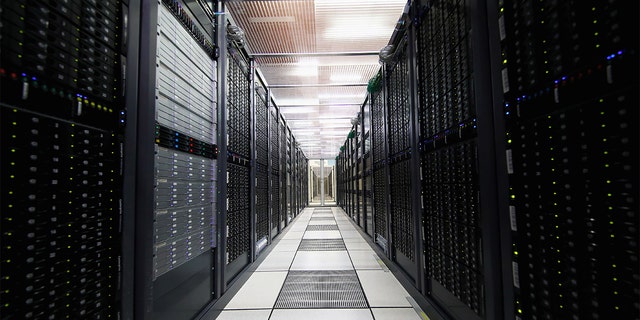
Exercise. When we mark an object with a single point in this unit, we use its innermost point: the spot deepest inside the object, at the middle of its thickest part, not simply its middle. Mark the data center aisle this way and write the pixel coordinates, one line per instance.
(321, 268)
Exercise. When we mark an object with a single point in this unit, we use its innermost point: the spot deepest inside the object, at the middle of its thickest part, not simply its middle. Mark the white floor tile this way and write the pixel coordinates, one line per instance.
(260, 291)
(287, 245)
(317, 222)
(298, 227)
(330, 234)
(321, 314)
(277, 261)
(244, 315)
(350, 234)
(365, 260)
(322, 215)
(382, 289)
(395, 314)
(293, 235)
(357, 246)
(322, 260)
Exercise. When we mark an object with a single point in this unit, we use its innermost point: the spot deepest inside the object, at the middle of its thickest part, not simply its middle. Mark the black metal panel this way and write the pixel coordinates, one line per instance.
(238, 207)
(61, 173)
(238, 170)
(450, 179)
(571, 94)
(262, 162)
(399, 153)
(274, 193)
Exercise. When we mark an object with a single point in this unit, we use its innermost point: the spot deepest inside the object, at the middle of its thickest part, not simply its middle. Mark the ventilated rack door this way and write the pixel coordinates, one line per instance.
(238, 166)
(398, 125)
(60, 173)
(275, 171)
(262, 164)
(570, 86)
(448, 139)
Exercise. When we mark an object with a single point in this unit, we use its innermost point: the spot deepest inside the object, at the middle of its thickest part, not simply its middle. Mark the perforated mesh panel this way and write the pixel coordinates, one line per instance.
(321, 289)
(322, 245)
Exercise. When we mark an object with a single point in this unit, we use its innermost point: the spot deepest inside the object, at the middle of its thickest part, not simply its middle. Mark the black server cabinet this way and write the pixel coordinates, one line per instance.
(61, 171)
(283, 173)
(569, 75)
(262, 165)
(175, 218)
(367, 172)
(399, 122)
(274, 158)
(461, 227)
(380, 179)
(238, 162)
(450, 179)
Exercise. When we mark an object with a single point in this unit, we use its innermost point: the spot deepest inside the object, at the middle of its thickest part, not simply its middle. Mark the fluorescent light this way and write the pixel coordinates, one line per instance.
(299, 110)
(327, 96)
(346, 77)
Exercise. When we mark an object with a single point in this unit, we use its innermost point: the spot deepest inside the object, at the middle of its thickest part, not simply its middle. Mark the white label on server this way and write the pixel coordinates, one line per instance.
(503, 31)
(505, 80)
(509, 161)
(512, 214)
(609, 74)
(556, 95)
(516, 274)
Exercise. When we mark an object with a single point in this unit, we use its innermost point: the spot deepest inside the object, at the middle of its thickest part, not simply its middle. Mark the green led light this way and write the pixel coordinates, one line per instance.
(513, 196)
(595, 21)
(519, 310)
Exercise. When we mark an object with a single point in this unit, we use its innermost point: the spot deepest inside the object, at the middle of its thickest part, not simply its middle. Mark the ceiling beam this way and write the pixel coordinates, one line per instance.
(318, 85)
(316, 54)
(321, 105)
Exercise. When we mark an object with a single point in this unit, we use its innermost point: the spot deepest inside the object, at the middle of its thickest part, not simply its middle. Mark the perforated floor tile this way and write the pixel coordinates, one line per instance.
(322, 227)
(321, 289)
(322, 245)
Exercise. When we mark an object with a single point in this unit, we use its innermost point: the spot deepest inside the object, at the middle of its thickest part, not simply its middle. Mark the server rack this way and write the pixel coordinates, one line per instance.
(379, 161)
(274, 138)
(527, 154)
(569, 96)
(399, 122)
(239, 153)
(175, 223)
(283, 173)
(367, 170)
(61, 170)
(262, 165)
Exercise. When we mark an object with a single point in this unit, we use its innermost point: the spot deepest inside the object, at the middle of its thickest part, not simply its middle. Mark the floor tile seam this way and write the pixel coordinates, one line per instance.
(366, 299)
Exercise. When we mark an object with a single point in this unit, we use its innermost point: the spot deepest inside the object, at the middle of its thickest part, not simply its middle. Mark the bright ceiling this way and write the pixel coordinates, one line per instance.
(317, 56)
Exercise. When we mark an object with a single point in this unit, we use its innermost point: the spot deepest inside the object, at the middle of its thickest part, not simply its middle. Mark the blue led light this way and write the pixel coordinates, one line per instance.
(24, 74)
(508, 113)
(33, 78)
